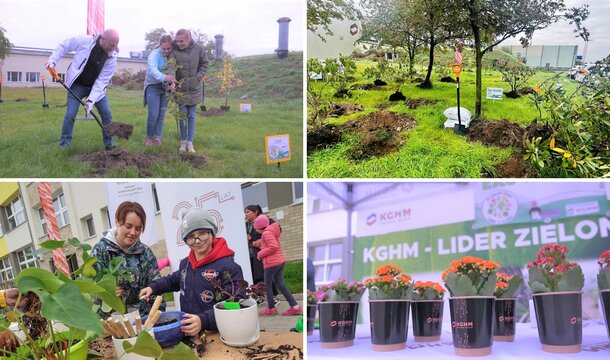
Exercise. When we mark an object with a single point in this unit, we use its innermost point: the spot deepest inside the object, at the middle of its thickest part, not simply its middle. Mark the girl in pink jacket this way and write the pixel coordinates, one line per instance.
(273, 259)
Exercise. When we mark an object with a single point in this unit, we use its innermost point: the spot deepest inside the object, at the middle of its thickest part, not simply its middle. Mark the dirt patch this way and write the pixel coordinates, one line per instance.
(103, 162)
(502, 133)
(379, 82)
(365, 87)
(384, 106)
(343, 93)
(515, 167)
(512, 95)
(212, 112)
(415, 103)
(21, 99)
(103, 345)
(448, 79)
(417, 80)
(534, 130)
(397, 96)
(325, 136)
(119, 129)
(343, 108)
(282, 352)
(525, 90)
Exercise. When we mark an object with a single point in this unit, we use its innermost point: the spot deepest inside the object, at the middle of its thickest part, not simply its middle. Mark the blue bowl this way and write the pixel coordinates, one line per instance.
(168, 335)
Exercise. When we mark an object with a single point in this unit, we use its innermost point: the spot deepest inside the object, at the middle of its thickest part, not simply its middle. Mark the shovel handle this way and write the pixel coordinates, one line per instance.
(59, 80)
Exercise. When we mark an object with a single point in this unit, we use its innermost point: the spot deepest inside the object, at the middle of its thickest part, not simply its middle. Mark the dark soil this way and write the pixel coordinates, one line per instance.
(415, 103)
(534, 130)
(384, 106)
(397, 96)
(103, 345)
(502, 133)
(165, 323)
(33, 321)
(417, 80)
(344, 93)
(343, 108)
(196, 344)
(212, 112)
(119, 129)
(325, 136)
(103, 162)
(365, 87)
(515, 167)
(448, 79)
(512, 94)
(379, 82)
(525, 91)
(282, 352)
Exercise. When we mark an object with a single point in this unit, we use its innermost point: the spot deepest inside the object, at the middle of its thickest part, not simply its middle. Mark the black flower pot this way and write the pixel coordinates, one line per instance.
(337, 323)
(311, 317)
(389, 324)
(472, 324)
(605, 303)
(427, 319)
(559, 317)
(504, 319)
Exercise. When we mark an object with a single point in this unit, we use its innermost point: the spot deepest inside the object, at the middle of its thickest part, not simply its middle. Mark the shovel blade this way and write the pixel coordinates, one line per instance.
(459, 129)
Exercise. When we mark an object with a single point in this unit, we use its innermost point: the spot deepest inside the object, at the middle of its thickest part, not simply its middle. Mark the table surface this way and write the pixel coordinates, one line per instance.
(595, 345)
(270, 346)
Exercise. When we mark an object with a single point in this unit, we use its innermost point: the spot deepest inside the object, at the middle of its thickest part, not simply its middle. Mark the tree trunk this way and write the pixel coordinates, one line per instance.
(479, 66)
(427, 84)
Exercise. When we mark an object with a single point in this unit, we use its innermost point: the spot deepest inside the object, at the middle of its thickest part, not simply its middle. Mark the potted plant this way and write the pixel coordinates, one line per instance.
(338, 311)
(236, 315)
(603, 281)
(427, 310)
(556, 287)
(312, 301)
(228, 81)
(471, 281)
(504, 318)
(389, 293)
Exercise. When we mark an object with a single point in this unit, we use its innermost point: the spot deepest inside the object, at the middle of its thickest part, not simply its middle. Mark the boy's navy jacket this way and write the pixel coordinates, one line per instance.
(193, 280)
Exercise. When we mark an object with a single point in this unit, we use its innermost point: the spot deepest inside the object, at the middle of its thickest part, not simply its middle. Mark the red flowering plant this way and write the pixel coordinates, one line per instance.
(427, 290)
(603, 278)
(389, 283)
(552, 272)
(312, 297)
(507, 285)
(340, 290)
(471, 276)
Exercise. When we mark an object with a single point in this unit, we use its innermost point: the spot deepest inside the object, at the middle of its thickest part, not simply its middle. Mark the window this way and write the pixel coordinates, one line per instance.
(13, 76)
(33, 77)
(89, 226)
(297, 192)
(61, 76)
(15, 214)
(61, 214)
(327, 261)
(6, 270)
(26, 258)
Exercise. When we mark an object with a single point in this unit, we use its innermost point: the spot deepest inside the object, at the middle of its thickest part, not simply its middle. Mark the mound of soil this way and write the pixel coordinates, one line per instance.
(322, 137)
(379, 82)
(397, 96)
(119, 129)
(343, 108)
(448, 79)
(515, 167)
(512, 94)
(417, 80)
(534, 130)
(415, 103)
(525, 91)
(344, 93)
(212, 112)
(502, 133)
(103, 162)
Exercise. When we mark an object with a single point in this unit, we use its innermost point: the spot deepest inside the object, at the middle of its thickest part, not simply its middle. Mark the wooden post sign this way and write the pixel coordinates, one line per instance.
(277, 148)
(245, 108)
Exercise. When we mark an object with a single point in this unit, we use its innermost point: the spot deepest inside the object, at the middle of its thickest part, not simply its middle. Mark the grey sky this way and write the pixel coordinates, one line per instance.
(249, 27)
(561, 33)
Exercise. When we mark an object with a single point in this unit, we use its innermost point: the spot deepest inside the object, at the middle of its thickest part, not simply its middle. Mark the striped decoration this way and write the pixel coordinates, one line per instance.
(458, 57)
(95, 17)
(46, 203)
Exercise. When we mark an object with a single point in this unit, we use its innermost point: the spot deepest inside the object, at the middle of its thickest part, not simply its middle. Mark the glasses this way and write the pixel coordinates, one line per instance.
(190, 240)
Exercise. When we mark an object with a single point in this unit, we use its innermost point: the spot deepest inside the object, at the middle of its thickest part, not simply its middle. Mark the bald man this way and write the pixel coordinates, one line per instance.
(88, 76)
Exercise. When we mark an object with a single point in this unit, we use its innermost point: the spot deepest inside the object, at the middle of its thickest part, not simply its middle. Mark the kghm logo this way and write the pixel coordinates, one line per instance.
(575, 320)
(506, 318)
(433, 320)
(371, 219)
(341, 323)
(394, 215)
(462, 324)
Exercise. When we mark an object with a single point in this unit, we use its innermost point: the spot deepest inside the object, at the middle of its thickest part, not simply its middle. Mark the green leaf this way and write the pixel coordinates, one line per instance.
(87, 286)
(47, 280)
(77, 244)
(108, 282)
(538, 287)
(145, 345)
(572, 280)
(489, 285)
(513, 286)
(180, 352)
(68, 306)
(88, 269)
(52, 244)
(115, 265)
(535, 275)
(603, 279)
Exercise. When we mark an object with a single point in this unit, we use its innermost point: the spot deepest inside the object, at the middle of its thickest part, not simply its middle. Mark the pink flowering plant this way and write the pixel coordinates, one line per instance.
(603, 278)
(552, 272)
(312, 297)
(340, 290)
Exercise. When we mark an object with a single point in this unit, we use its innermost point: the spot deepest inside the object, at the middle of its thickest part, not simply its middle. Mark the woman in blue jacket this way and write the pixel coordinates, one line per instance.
(155, 85)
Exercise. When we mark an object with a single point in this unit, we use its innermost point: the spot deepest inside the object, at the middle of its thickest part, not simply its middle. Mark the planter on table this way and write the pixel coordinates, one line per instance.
(337, 323)
(559, 318)
(427, 319)
(472, 324)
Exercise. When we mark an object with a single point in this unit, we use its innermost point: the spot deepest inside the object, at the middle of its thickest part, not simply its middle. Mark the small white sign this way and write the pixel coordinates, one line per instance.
(495, 93)
(245, 108)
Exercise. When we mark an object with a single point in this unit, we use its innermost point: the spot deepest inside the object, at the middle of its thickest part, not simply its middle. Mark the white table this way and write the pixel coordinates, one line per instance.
(595, 345)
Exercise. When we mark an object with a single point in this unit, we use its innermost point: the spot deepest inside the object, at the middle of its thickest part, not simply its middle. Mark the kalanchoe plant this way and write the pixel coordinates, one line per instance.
(603, 278)
(340, 290)
(551, 272)
(311, 298)
(471, 276)
(427, 290)
(507, 285)
(390, 283)
(233, 291)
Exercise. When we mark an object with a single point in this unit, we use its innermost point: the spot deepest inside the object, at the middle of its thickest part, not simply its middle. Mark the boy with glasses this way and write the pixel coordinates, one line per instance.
(210, 257)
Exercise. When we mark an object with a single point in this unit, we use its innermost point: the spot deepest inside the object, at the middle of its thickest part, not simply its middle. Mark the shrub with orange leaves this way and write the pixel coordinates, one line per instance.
(389, 283)
(471, 276)
(427, 290)
(507, 285)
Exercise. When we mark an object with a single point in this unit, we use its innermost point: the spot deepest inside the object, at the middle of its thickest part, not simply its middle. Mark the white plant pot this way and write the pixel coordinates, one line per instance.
(238, 328)
(120, 352)
(131, 315)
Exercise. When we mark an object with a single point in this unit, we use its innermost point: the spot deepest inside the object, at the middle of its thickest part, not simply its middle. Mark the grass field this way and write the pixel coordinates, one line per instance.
(429, 150)
(234, 143)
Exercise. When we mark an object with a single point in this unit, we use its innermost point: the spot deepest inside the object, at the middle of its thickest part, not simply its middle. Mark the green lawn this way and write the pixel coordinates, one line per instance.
(293, 276)
(234, 144)
(429, 151)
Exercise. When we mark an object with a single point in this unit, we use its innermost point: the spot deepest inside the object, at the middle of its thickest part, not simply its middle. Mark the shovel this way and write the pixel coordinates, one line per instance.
(114, 128)
(202, 107)
(458, 128)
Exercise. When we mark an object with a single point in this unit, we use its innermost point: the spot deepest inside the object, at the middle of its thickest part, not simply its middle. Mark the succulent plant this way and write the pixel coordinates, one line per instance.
(389, 283)
(552, 272)
(471, 276)
(603, 277)
(507, 285)
(340, 290)
(427, 290)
